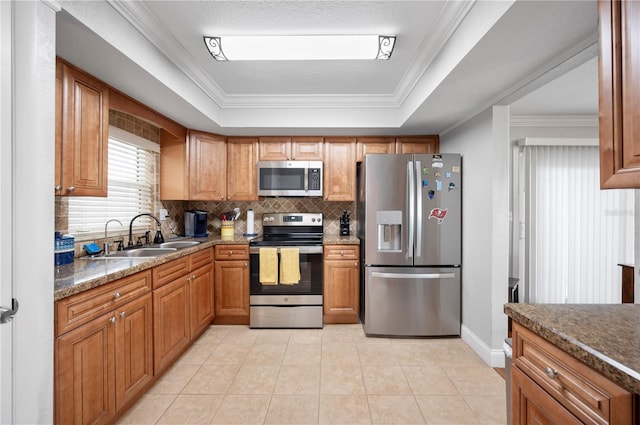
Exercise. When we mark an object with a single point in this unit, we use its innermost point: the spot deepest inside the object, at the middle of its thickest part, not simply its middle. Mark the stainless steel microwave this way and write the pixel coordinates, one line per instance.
(290, 178)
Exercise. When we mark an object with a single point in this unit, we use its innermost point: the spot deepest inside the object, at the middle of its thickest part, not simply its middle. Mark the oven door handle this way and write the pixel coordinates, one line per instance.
(302, 249)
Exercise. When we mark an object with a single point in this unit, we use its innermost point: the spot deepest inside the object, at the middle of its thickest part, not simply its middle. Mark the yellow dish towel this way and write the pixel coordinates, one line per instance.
(269, 266)
(289, 266)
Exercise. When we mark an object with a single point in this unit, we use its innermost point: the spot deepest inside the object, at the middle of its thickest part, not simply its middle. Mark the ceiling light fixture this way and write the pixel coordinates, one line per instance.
(301, 47)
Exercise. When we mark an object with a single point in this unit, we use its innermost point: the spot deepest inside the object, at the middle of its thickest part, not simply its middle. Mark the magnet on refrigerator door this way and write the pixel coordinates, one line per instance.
(438, 185)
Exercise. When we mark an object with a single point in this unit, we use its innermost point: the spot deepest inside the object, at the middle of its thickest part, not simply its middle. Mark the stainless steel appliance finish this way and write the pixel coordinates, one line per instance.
(288, 306)
(421, 301)
(409, 216)
(290, 178)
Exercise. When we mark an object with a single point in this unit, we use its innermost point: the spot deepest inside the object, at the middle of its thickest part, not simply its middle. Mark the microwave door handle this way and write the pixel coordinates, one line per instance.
(306, 179)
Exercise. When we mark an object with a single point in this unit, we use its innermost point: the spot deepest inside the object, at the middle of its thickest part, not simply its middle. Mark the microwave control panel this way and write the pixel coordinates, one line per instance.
(314, 178)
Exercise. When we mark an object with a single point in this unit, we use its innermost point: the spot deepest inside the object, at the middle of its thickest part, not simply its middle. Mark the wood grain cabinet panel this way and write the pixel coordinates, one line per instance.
(134, 349)
(365, 145)
(231, 292)
(619, 101)
(417, 144)
(85, 378)
(341, 295)
(82, 133)
(171, 333)
(340, 169)
(201, 311)
(545, 377)
(285, 148)
(242, 182)
(207, 167)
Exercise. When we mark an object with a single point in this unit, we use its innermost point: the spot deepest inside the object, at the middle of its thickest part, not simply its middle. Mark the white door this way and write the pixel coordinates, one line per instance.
(6, 379)
(27, 93)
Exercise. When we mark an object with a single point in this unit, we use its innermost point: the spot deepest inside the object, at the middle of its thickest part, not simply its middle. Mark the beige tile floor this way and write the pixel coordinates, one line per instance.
(335, 375)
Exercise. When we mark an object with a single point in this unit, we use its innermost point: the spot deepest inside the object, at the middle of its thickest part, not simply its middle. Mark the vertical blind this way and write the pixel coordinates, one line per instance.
(131, 191)
(578, 234)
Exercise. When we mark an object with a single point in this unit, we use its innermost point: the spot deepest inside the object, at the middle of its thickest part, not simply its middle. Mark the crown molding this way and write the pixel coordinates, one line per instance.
(554, 121)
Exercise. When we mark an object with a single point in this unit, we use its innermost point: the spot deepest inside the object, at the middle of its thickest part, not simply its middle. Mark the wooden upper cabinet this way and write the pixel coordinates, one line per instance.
(306, 148)
(275, 148)
(207, 167)
(367, 145)
(279, 148)
(340, 169)
(417, 144)
(242, 153)
(619, 75)
(82, 133)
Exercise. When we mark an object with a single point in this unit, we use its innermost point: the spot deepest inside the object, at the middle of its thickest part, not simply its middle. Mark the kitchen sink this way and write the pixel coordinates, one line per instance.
(141, 252)
(178, 244)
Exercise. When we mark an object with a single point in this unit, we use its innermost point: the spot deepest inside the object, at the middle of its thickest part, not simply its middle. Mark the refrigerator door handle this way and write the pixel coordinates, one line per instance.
(410, 211)
(418, 209)
(414, 276)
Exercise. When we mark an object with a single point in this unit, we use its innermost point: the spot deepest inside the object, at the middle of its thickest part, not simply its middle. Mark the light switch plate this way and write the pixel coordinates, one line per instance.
(164, 214)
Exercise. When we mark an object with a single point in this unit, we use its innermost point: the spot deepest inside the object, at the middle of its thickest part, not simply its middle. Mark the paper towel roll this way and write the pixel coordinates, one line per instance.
(250, 222)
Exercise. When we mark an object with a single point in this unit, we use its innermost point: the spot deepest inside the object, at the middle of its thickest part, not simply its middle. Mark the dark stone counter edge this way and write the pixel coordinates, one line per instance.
(69, 287)
(616, 372)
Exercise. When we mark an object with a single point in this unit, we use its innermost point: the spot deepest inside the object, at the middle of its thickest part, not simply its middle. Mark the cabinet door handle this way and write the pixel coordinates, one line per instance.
(355, 264)
(113, 319)
(245, 264)
(116, 295)
(551, 373)
(71, 189)
(230, 253)
(58, 187)
(123, 314)
(342, 253)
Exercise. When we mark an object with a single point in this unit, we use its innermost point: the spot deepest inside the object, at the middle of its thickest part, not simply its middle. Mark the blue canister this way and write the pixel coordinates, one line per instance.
(63, 249)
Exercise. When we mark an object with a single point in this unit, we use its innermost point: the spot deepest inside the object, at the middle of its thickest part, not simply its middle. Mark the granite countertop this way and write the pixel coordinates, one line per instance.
(340, 240)
(606, 337)
(85, 273)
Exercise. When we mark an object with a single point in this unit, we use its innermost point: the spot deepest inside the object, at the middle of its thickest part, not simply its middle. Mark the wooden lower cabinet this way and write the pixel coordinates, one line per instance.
(103, 364)
(201, 310)
(534, 406)
(549, 386)
(341, 297)
(170, 323)
(231, 285)
(232, 292)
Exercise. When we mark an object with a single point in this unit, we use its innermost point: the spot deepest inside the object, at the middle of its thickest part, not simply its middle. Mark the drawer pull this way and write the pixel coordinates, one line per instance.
(230, 253)
(116, 295)
(123, 314)
(551, 373)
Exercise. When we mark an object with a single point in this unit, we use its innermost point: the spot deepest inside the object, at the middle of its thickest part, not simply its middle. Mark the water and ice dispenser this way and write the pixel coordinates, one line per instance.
(389, 225)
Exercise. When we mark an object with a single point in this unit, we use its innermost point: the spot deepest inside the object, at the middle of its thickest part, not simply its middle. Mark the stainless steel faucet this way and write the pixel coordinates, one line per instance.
(105, 246)
(157, 239)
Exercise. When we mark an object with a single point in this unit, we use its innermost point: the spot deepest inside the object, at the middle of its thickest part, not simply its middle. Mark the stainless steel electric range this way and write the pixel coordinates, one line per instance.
(288, 306)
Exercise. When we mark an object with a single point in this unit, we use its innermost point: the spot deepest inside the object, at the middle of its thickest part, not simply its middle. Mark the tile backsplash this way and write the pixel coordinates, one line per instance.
(330, 210)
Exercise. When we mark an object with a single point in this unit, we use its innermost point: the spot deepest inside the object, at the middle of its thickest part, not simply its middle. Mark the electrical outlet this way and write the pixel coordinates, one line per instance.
(164, 214)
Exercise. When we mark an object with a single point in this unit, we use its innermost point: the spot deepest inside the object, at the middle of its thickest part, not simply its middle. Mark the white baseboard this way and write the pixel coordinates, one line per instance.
(492, 357)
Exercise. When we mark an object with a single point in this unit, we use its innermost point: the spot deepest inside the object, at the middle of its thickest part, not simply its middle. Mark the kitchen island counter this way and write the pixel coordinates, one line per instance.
(606, 337)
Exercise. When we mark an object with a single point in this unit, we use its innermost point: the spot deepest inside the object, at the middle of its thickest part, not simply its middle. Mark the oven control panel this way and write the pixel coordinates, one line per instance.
(292, 219)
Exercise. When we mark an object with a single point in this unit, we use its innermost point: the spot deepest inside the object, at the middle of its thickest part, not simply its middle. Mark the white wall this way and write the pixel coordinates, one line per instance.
(484, 144)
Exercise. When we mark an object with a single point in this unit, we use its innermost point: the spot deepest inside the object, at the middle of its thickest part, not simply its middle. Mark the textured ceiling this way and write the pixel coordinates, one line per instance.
(452, 60)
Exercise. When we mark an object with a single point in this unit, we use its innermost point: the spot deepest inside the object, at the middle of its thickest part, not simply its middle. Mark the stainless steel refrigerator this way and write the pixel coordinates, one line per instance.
(409, 223)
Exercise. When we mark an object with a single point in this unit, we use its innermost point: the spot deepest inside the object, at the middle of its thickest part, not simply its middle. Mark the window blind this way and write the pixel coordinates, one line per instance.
(131, 190)
(577, 233)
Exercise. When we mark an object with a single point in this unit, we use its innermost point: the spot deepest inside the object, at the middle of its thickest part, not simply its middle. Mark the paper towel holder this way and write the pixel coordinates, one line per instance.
(250, 224)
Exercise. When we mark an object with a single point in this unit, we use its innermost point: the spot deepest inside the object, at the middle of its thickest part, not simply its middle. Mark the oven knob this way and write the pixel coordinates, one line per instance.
(319, 219)
(313, 220)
